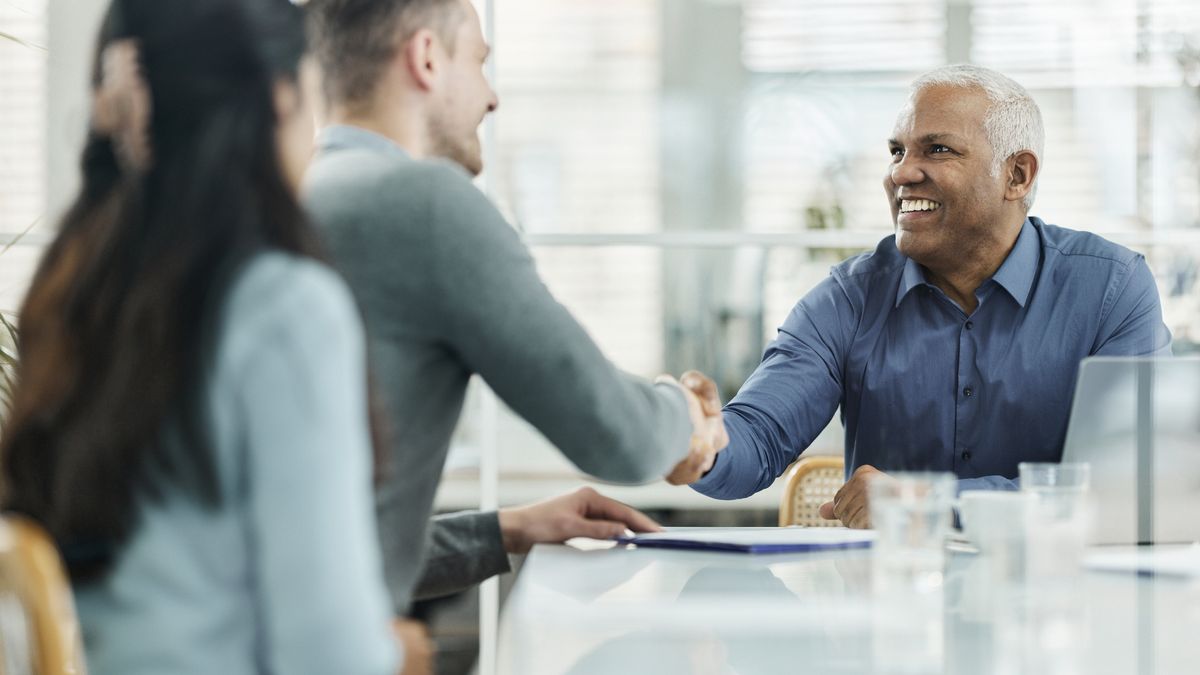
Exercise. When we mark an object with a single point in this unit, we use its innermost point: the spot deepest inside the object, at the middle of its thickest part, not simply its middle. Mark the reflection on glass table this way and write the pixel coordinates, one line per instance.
(628, 611)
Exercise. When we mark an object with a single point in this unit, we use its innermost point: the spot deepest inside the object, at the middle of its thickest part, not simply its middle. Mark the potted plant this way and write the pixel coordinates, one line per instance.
(8, 363)
(8, 321)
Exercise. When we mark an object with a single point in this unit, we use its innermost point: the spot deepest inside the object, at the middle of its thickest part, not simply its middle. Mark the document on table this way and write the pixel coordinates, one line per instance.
(754, 539)
(1171, 561)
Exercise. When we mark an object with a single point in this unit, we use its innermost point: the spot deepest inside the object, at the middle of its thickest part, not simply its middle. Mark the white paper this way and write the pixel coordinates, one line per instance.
(1183, 561)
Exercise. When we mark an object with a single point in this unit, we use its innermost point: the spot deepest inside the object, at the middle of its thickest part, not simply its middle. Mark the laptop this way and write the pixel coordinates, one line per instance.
(1136, 421)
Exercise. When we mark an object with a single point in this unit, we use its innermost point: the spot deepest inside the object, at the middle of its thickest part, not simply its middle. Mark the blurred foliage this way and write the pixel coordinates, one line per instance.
(8, 363)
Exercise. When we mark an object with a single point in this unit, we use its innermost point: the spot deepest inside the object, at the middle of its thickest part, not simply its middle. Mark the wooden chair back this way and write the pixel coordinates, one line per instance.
(810, 482)
(39, 631)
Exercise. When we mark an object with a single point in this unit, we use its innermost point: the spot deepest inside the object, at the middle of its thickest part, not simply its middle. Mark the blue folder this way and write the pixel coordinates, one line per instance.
(754, 539)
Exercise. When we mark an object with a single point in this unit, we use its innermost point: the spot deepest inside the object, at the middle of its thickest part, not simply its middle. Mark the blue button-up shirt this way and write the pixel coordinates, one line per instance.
(924, 386)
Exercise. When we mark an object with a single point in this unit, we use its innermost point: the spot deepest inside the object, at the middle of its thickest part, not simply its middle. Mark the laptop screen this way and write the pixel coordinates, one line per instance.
(1136, 421)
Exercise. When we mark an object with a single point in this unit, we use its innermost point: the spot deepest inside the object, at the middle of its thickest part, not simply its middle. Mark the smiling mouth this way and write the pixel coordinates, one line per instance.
(918, 205)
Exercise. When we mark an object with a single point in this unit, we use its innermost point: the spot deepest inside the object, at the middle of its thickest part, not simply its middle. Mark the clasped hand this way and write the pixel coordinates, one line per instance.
(708, 427)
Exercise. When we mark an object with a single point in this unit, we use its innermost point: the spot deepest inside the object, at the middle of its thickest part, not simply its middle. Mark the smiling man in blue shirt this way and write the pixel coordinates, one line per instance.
(954, 345)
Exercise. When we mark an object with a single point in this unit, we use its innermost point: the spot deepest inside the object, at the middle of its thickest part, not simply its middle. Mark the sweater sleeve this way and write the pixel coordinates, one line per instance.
(315, 558)
(505, 325)
(462, 549)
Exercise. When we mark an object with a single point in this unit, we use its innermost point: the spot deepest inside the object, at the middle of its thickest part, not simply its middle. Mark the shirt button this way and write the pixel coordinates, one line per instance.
(968, 392)
(966, 455)
(970, 325)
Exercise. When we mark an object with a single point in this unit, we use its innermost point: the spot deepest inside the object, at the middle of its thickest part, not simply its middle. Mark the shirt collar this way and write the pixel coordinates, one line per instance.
(1015, 275)
(912, 277)
(1021, 266)
(345, 136)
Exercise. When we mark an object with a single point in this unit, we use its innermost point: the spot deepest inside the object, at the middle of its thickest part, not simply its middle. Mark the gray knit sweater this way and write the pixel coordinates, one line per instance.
(448, 290)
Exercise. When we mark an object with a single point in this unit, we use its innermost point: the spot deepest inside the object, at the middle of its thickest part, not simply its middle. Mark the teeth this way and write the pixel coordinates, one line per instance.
(908, 205)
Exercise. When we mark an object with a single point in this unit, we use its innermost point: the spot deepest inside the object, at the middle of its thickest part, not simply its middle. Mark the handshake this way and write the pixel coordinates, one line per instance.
(708, 428)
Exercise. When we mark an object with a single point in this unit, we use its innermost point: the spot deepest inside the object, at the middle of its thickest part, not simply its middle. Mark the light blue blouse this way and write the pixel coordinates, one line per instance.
(286, 576)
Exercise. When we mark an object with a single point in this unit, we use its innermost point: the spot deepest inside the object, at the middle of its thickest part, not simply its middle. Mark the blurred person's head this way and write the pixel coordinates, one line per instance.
(200, 131)
(411, 69)
(965, 155)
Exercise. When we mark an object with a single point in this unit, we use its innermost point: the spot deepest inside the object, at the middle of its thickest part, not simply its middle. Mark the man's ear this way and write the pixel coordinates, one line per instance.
(1023, 169)
(287, 98)
(421, 57)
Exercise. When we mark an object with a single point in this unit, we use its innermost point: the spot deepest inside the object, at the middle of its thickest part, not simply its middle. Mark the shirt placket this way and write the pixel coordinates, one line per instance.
(967, 394)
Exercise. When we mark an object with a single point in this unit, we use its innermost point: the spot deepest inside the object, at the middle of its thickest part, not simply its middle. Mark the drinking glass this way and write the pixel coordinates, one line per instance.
(1061, 520)
(1062, 487)
(911, 512)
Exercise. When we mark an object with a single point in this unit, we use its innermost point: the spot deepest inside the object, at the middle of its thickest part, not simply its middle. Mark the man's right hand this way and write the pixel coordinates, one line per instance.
(418, 647)
(708, 427)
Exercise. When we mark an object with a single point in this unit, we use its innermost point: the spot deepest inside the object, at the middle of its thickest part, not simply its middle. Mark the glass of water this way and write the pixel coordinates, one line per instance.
(911, 512)
(1062, 518)
(1062, 484)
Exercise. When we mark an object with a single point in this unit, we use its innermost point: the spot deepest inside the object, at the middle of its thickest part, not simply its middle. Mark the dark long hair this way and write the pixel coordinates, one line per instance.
(119, 325)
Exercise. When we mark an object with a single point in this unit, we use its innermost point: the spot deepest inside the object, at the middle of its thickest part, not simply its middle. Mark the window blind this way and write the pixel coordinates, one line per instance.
(577, 150)
(22, 138)
(857, 36)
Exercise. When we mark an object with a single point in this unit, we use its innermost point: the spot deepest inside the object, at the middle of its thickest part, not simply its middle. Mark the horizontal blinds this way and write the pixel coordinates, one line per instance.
(22, 137)
(578, 128)
(1072, 43)
(842, 35)
(577, 150)
(552, 46)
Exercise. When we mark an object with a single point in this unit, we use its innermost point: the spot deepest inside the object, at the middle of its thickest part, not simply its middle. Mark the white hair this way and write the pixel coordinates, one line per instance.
(1013, 122)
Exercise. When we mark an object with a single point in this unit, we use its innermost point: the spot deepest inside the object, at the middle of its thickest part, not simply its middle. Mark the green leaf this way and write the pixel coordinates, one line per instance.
(19, 237)
(8, 366)
(10, 328)
(13, 38)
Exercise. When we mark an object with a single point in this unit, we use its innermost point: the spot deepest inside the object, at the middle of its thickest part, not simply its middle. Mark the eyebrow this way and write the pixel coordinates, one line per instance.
(930, 138)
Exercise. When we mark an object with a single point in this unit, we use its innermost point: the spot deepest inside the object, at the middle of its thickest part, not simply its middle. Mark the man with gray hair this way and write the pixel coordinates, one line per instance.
(954, 345)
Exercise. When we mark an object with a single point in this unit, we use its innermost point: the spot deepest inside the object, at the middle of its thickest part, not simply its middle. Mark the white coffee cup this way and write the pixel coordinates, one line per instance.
(993, 515)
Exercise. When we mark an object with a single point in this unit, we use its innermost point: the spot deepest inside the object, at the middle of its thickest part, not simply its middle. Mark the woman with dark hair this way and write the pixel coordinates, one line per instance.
(191, 420)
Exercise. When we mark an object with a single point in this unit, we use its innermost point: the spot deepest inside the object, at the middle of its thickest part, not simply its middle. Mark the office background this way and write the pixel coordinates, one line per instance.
(685, 170)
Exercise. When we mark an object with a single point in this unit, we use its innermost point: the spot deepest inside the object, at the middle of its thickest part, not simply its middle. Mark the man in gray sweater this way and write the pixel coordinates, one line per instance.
(448, 290)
